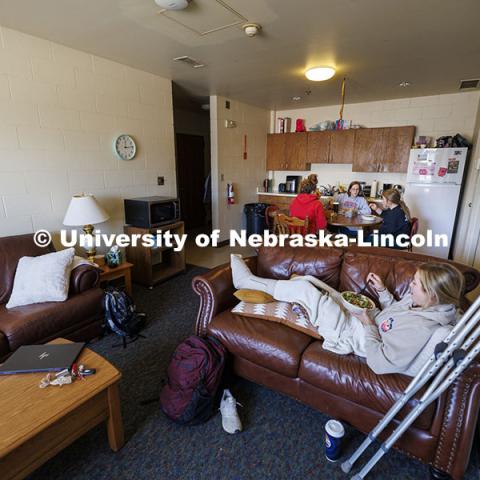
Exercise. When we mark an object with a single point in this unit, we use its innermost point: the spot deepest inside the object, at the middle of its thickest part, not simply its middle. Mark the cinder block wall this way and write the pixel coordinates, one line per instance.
(60, 111)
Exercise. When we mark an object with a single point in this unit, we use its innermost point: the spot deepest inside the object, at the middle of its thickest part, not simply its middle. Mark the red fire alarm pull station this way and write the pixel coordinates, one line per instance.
(245, 155)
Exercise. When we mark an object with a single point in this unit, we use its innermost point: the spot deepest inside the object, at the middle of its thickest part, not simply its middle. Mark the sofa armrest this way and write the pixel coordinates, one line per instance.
(83, 278)
(459, 423)
(215, 289)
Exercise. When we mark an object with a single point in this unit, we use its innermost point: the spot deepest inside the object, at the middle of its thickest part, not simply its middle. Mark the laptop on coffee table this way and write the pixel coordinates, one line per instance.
(42, 358)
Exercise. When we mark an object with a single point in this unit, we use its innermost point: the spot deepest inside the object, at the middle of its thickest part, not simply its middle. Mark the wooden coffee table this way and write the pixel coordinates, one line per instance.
(35, 423)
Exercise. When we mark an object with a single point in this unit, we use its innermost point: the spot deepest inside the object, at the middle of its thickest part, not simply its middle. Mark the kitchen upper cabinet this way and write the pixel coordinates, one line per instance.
(318, 147)
(296, 151)
(398, 142)
(330, 147)
(382, 149)
(368, 149)
(287, 151)
(276, 151)
(341, 146)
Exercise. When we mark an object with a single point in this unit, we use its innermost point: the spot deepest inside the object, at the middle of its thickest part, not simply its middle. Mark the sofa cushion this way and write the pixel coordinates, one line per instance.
(280, 312)
(396, 273)
(42, 279)
(30, 324)
(349, 377)
(395, 267)
(11, 250)
(268, 344)
(282, 262)
(4, 350)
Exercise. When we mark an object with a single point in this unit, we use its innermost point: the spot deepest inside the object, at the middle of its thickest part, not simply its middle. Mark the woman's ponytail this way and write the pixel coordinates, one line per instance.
(394, 196)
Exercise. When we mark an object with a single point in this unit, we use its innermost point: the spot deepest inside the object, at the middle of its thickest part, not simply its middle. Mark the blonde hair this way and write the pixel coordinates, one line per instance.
(442, 281)
(394, 196)
(309, 184)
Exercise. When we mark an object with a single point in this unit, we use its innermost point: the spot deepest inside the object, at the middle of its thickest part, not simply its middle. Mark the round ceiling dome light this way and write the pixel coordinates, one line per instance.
(319, 74)
(173, 4)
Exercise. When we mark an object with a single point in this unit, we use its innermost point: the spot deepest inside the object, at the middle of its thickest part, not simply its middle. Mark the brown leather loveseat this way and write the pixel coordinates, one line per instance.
(342, 386)
(80, 317)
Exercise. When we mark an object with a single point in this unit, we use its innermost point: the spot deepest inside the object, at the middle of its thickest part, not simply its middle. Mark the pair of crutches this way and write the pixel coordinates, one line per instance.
(454, 352)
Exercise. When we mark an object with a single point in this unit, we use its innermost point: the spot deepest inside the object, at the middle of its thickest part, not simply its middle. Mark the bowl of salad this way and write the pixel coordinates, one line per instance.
(355, 302)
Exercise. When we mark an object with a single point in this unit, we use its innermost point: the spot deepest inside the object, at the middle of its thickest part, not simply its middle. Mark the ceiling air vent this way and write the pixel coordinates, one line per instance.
(189, 61)
(467, 84)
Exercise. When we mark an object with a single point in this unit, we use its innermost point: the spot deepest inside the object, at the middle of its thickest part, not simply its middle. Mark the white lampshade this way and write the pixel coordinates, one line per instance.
(84, 210)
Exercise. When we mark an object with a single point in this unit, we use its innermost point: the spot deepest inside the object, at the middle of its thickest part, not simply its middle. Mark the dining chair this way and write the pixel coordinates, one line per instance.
(289, 225)
(413, 231)
(270, 213)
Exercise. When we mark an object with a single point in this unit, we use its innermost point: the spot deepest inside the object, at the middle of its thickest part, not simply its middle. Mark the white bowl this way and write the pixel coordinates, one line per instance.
(354, 308)
(369, 218)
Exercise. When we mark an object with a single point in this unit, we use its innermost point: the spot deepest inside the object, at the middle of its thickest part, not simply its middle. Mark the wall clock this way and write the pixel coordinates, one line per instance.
(125, 147)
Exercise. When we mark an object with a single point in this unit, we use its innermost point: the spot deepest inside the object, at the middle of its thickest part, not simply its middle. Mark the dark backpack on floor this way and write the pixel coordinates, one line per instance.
(193, 378)
(121, 315)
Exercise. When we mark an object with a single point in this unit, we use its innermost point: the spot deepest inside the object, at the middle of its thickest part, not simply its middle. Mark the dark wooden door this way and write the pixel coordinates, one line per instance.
(191, 179)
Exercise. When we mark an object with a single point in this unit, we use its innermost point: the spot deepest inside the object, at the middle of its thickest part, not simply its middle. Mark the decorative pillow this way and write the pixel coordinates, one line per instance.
(279, 312)
(42, 279)
(253, 296)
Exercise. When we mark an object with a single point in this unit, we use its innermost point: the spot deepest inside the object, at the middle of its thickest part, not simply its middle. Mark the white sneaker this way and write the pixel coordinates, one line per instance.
(228, 408)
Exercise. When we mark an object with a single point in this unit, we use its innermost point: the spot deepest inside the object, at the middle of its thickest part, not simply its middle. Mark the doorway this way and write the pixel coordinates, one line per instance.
(192, 142)
(192, 184)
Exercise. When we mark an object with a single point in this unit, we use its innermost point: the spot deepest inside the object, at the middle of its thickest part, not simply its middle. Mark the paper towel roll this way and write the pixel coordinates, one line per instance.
(373, 189)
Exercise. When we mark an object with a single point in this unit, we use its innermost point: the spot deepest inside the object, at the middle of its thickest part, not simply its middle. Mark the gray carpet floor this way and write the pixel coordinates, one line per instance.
(282, 439)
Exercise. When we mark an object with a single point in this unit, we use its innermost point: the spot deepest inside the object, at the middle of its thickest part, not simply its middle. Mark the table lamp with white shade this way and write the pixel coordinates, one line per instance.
(85, 211)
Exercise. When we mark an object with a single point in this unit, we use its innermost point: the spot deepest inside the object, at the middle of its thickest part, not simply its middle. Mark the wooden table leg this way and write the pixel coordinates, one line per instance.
(128, 281)
(114, 422)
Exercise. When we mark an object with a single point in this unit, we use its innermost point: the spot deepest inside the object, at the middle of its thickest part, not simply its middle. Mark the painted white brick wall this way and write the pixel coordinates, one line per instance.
(60, 110)
(227, 159)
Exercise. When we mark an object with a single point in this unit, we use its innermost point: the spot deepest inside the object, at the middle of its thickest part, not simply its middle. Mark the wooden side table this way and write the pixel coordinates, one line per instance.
(124, 270)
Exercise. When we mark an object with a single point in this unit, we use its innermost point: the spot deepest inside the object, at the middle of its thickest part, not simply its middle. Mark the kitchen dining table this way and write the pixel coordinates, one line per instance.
(340, 220)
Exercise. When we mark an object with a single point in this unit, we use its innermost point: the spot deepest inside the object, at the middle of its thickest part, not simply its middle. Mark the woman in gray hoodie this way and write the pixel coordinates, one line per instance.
(399, 338)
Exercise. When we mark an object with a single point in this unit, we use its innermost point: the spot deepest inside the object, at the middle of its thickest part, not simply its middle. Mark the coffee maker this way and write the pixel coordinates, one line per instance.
(293, 183)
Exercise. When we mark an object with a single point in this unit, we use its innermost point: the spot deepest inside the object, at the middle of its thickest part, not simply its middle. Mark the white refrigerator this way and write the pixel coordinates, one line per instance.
(432, 193)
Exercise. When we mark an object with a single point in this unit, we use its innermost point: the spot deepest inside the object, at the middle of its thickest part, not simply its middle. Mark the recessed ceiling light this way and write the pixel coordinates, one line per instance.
(296, 99)
(404, 84)
(319, 74)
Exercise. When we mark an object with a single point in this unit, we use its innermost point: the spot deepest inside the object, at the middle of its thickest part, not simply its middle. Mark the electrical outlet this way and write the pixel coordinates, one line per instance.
(160, 180)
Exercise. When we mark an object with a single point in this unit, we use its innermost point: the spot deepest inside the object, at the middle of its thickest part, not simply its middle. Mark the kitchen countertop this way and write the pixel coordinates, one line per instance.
(323, 197)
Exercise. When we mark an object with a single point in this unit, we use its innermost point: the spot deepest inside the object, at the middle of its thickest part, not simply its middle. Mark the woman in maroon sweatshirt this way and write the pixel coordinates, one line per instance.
(307, 204)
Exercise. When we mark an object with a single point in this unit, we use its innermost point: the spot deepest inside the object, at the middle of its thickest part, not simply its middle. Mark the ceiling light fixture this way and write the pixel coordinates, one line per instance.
(173, 4)
(404, 84)
(319, 74)
(296, 99)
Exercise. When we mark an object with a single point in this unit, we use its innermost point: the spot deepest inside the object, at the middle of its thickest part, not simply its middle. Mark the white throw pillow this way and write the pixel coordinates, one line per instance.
(42, 279)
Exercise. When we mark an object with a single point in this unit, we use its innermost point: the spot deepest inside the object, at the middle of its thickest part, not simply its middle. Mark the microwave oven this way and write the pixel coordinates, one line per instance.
(151, 212)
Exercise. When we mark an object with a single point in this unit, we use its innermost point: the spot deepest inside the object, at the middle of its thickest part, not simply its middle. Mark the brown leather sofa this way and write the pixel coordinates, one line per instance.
(342, 386)
(80, 317)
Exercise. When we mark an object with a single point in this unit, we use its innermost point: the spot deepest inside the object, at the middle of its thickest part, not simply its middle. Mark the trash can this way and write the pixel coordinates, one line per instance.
(255, 214)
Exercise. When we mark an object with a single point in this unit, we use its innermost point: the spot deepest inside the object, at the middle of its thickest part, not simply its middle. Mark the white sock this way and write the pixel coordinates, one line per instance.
(244, 278)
